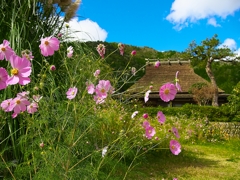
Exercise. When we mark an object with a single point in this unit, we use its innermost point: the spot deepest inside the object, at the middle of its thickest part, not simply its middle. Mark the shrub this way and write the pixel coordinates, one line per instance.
(234, 103)
(217, 114)
(202, 93)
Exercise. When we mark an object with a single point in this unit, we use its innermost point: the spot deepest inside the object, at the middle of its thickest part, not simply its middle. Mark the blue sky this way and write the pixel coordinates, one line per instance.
(162, 25)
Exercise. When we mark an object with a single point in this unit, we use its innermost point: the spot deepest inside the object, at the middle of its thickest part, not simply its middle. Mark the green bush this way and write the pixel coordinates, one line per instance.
(234, 103)
(210, 113)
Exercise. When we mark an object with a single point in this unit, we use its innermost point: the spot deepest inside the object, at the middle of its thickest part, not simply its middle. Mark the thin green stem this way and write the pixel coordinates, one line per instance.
(129, 167)
(8, 167)
(129, 78)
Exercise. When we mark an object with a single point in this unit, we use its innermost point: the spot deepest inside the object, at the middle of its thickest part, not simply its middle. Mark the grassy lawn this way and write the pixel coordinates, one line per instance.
(214, 161)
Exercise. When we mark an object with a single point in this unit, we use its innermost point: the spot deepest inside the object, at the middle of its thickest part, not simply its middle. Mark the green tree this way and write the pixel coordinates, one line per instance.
(234, 101)
(208, 52)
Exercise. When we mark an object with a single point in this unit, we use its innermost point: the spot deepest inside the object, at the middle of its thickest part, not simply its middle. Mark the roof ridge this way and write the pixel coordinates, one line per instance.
(168, 61)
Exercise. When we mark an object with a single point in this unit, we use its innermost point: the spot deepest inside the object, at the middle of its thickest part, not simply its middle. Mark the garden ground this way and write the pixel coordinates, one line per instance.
(200, 161)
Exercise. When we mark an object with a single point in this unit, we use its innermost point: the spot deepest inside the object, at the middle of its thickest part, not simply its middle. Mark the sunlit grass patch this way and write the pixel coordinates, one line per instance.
(199, 161)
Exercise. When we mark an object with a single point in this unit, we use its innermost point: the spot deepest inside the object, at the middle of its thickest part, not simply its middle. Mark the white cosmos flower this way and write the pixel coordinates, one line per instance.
(146, 97)
(134, 114)
(104, 151)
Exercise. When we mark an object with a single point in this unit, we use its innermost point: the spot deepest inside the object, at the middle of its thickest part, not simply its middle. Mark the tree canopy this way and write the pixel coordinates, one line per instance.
(209, 51)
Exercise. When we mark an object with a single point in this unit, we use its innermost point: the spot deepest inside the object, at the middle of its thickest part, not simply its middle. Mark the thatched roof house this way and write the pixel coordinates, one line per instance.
(166, 73)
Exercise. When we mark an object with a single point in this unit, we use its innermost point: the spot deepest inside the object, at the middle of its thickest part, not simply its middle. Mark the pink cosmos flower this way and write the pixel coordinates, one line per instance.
(101, 50)
(176, 82)
(49, 45)
(71, 93)
(102, 88)
(134, 114)
(167, 92)
(145, 115)
(52, 68)
(99, 99)
(3, 78)
(121, 48)
(146, 96)
(146, 124)
(90, 88)
(6, 104)
(69, 51)
(5, 50)
(96, 73)
(150, 132)
(32, 108)
(27, 54)
(23, 94)
(175, 147)
(175, 132)
(161, 117)
(21, 69)
(14, 115)
(157, 64)
(133, 53)
(19, 104)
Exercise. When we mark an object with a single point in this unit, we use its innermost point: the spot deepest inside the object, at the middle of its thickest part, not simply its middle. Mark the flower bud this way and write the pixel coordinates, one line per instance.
(52, 68)
(145, 116)
(133, 53)
(41, 145)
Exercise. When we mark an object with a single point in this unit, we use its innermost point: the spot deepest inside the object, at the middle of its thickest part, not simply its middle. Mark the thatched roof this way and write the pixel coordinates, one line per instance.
(166, 73)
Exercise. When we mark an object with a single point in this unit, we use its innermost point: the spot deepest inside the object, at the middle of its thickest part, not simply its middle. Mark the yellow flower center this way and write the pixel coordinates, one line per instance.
(173, 147)
(73, 92)
(46, 43)
(166, 91)
(149, 131)
(14, 71)
(103, 90)
(18, 101)
(3, 49)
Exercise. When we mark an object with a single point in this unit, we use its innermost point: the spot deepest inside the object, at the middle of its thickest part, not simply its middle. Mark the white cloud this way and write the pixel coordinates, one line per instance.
(213, 22)
(184, 12)
(230, 43)
(85, 30)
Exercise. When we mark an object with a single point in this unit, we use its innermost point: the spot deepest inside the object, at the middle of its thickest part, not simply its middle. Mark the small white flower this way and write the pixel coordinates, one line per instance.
(134, 114)
(104, 151)
(146, 97)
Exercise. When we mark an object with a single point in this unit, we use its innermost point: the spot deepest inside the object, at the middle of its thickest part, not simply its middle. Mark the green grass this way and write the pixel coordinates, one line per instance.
(201, 161)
